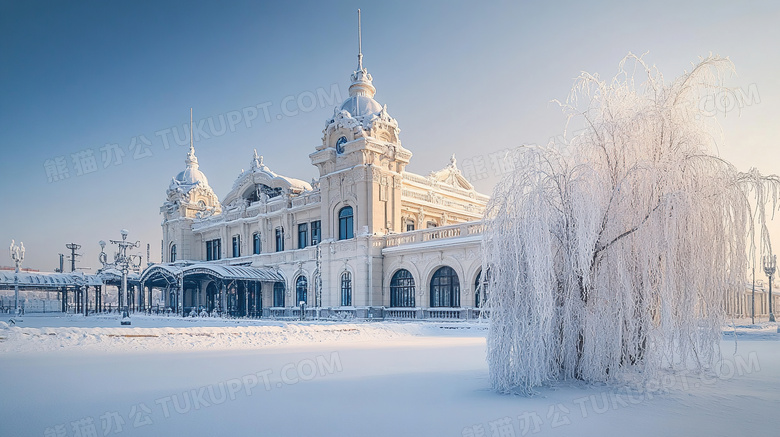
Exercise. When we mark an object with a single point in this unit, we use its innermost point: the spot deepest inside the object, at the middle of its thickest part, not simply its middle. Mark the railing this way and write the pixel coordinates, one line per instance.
(308, 199)
(435, 313)
(277, 313)
(445, 313)
(400, 314)
(442, 232)
(341, 314)
(416, 178)
(268, 258)
(476, 313)
(276, 205)
(475, 229)
(422, 180)
(289, 313)
(311, 313)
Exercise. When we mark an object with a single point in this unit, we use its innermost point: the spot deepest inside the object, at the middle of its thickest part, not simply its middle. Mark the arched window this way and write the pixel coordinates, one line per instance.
(212, 296)
(346, 289)
(402, 289)
(256, 243)
(346, 224)
(173, 252)
(480, 289)
(301, 287)
(278, 294)
(445, 288)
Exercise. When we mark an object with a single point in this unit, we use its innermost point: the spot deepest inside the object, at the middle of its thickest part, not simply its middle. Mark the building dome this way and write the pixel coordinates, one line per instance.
(359, 106)
(191, 176)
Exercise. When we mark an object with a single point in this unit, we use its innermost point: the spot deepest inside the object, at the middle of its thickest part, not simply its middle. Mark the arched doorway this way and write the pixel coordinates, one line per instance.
(402, 289)
(212, 294)
(301, 290)
(445, 288)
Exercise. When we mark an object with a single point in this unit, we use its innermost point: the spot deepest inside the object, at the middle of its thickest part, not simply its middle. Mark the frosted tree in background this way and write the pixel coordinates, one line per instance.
(614, 254)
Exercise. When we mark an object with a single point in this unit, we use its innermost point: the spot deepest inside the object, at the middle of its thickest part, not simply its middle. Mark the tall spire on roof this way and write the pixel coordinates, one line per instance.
(360, 45)
(191, 160)
(361, 80)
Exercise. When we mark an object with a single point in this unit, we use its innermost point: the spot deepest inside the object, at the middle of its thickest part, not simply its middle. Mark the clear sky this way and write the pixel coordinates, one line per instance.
(114, 81)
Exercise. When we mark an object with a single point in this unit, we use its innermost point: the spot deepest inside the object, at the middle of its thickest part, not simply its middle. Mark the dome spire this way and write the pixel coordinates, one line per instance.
(361, 79)
(191, 160)
(360, 44)
(191, 176)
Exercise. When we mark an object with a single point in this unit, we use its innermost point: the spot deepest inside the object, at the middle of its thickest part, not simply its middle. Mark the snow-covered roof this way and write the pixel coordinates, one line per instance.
(170, 272)
(360, 106)
(259, 174)
(113, 276)
(258, 168)
(48, 280)
(190, 176)
(235, 272)
(451, 175)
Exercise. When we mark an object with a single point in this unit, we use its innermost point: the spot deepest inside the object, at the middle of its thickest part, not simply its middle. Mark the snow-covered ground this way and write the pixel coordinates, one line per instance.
(76, 376)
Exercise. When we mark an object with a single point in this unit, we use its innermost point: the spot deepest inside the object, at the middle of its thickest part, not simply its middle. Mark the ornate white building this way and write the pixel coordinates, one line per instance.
(366, 239)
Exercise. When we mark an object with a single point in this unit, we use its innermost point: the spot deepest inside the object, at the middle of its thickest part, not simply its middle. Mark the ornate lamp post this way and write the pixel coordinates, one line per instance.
(318, 281)
(123, 262)
(770, 264)
(17, 254)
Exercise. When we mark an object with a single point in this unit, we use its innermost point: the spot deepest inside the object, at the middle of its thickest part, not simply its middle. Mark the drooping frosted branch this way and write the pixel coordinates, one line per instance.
(614, 255)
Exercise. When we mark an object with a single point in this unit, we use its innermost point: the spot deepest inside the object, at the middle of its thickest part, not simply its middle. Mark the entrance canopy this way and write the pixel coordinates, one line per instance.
(161, 275)
(114, 277)
(47, 281)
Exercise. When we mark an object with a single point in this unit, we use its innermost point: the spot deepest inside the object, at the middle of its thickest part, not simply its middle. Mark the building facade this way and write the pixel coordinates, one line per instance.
(365, 239)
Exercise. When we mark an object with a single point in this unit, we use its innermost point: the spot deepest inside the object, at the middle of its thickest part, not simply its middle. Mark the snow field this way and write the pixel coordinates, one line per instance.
(324, 379)
(61, 335)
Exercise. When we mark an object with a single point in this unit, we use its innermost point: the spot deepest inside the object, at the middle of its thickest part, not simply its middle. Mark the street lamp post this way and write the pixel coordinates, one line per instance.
(318, 281)
(753, 298)
(17, 255)
(123, 262)
(770, 264)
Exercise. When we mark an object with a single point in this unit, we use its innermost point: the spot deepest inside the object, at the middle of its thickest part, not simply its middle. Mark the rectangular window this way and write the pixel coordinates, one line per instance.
(409, 226)
(346, 223)
(431, 225)
(213, 250)
(256, 243)
(315, 233)
(279, 239)
(303, 235)
(236, 246)
(279, 294)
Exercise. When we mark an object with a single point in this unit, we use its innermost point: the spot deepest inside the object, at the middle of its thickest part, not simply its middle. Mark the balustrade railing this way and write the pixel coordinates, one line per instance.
(442, 232)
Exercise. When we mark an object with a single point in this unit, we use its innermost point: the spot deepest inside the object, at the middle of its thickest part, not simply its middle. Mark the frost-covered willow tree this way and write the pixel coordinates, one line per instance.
(614, 254)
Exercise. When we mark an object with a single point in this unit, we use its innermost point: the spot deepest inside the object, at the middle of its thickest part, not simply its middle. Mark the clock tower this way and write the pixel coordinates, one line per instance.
(360, 162)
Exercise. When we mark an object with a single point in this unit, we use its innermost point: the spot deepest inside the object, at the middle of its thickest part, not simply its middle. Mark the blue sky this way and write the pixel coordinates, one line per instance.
(469, 78)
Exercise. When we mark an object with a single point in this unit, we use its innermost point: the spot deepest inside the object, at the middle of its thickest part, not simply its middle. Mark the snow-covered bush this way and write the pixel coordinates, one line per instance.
(613, 255)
